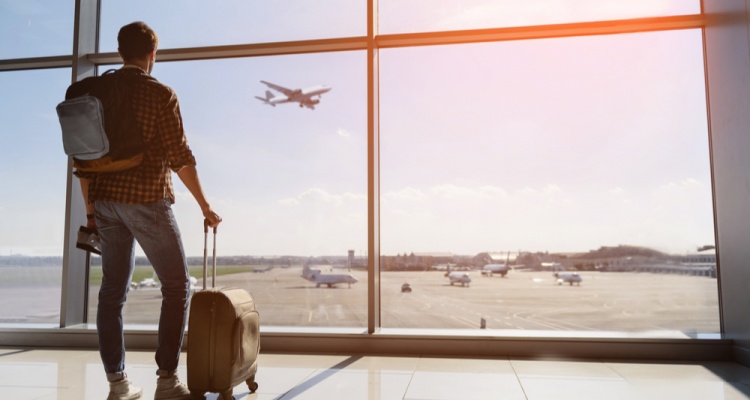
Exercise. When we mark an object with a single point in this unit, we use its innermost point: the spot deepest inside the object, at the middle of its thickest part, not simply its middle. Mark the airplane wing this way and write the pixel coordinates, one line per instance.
(278, 88)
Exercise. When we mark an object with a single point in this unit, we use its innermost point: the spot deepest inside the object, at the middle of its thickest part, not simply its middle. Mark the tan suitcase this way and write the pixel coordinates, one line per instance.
(223, 337)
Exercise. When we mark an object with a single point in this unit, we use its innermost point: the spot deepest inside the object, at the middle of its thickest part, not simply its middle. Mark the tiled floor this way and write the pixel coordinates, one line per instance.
(77, 375)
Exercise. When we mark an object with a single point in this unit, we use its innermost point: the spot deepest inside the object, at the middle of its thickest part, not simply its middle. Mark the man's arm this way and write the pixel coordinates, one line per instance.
(189, 177)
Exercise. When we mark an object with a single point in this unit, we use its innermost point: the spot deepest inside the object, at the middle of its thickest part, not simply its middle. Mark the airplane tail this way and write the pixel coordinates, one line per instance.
(267, 99)
(309, 274)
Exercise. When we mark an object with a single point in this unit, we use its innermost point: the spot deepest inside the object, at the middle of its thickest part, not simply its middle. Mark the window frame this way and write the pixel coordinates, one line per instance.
(84, 60)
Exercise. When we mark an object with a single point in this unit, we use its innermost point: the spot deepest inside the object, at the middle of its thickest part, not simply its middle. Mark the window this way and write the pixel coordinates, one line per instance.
(32, 205)
(585, 155)
(36, 28)
(289, 181)
(580, 161)
(400, 16)
(235, 21)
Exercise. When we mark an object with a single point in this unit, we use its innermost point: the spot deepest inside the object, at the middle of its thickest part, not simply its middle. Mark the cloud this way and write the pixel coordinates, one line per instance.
(343, 133)
(549, 189)
(182, 195)
(319, 195)
(453, 191)
(406, 194)
(289, 202)
(685, 184)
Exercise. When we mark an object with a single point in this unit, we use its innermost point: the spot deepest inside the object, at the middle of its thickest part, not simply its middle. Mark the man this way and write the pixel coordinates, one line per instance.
(135, 204)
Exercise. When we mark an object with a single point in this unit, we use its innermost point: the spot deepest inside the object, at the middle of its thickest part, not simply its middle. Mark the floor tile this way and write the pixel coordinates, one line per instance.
(564, 369)
(464, 386)
(681, 371)
(578, 389)
(479, 365)
(342, 385)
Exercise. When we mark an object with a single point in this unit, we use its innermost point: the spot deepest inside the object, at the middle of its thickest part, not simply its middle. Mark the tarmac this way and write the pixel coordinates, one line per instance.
(629, 302)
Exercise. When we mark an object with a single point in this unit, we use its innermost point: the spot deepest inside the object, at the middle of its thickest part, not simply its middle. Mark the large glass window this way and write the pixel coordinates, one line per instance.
(32, 205)
(401, 16)
(36, 28)
(289, 180)
(549, 186)
(197, 23)
(581, 163)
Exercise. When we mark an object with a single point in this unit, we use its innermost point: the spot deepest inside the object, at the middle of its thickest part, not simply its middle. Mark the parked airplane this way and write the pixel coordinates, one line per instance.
(305, 97)
(569, 278)
(458, 277)
(330, 280)
(146, 283)
(152, 283)
(501, 269)
(262, 270)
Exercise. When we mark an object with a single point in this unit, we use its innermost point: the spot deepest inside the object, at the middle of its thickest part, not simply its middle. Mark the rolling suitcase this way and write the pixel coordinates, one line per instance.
(223, 336)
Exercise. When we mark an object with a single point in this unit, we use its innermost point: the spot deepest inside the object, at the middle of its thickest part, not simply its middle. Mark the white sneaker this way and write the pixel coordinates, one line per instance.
(123, 390)
(170, 388)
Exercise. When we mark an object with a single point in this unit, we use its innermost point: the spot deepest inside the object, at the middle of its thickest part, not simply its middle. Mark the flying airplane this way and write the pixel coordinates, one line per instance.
(305, 97)
(458, 277)
(330, 280)
(569, 278)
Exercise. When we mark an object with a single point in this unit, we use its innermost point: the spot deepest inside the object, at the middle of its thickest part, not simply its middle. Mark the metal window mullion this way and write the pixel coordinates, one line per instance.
(73, 302)
(373, 172)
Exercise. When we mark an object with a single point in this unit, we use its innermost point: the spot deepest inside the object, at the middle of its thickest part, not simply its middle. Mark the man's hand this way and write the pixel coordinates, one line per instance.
(212, 217)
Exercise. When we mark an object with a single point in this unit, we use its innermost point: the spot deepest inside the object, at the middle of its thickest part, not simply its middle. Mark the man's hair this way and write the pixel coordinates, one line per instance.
(136, 40)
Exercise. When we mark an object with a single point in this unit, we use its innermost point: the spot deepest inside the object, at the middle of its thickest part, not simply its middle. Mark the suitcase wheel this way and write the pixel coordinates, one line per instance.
(252, 385)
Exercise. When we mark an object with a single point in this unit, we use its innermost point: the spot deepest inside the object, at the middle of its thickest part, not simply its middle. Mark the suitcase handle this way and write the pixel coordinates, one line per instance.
(205, 256)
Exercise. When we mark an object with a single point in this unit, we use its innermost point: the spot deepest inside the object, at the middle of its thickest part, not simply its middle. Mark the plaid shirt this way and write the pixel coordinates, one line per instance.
(158, 113)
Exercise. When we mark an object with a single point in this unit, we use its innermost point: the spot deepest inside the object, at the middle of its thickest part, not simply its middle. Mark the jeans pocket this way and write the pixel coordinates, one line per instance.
(149, 217)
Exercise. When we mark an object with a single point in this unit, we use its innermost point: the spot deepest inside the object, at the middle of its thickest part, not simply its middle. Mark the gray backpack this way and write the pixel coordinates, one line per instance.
(99, 128)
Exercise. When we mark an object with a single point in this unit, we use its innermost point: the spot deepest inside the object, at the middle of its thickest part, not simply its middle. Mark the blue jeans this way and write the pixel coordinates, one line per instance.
(154, 227)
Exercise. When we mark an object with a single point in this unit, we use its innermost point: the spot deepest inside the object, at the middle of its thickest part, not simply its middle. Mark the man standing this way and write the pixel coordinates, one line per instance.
(135, 204)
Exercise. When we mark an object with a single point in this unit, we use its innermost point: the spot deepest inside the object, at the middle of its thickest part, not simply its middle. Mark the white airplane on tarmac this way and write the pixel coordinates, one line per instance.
(305, 97)
(501, 269)
(569, 278)
(330, 280)
(458, 277)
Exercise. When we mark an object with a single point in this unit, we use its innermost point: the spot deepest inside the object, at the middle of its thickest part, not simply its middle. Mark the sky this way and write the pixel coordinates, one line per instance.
(559, 145)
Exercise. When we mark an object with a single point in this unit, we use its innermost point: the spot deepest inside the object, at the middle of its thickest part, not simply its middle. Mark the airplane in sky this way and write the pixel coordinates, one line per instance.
(305, 97)
(330, 280)
(569, 278)
(458, 277)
